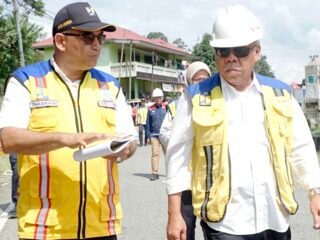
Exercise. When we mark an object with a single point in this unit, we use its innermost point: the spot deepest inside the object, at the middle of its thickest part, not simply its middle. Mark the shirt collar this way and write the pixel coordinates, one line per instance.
(227, 87)
(61, 73)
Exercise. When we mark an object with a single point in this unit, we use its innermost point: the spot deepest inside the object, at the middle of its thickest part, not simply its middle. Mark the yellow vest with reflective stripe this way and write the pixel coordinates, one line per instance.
(59, 197)
(142, 115)
(211, 179)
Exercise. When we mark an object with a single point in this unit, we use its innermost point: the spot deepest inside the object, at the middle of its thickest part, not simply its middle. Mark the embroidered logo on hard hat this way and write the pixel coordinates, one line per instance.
(90, 11)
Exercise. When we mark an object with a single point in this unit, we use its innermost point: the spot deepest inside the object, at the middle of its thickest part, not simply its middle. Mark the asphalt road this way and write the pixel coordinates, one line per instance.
(145, 204)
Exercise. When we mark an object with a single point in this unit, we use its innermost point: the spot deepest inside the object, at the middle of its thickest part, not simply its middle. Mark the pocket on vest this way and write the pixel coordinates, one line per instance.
(109, 116)
(42, 209)
(44, 119)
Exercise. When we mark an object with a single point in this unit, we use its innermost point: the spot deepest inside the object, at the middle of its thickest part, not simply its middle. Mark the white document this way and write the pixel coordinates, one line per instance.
(106, 148)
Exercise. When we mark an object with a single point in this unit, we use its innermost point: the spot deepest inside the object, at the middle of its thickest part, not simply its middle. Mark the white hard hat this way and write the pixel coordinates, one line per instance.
(157, 92)
(235, 26)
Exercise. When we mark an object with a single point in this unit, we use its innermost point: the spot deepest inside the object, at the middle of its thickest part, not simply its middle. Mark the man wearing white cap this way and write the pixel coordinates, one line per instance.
(243, 133)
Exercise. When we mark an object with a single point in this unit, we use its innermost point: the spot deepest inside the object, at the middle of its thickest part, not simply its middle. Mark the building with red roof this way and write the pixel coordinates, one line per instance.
(141, 64)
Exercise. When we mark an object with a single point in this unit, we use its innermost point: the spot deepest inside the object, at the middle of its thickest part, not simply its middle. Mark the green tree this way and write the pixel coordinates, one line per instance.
(263, 67)
(30, 6)
(180, 44)
(9, 52)
(204, 52)
(160, 35)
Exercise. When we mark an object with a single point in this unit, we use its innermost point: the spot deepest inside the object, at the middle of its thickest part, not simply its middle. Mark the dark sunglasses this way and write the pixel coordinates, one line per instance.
(87, 37)
(239, 52)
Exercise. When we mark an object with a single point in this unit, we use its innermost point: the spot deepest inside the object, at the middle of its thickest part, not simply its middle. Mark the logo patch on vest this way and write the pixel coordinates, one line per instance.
(44, 103)
(205, 99)
(107, 100)
(107, 104)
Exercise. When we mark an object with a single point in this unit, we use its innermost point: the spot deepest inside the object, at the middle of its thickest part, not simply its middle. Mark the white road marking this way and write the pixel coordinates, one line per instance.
(4, 215)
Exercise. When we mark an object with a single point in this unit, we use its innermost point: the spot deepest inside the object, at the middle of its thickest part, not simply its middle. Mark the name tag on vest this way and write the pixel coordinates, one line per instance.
(44, 103)
(107, 104)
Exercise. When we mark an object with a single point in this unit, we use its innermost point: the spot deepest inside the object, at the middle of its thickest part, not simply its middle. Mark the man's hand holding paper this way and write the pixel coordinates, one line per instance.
(116, 148)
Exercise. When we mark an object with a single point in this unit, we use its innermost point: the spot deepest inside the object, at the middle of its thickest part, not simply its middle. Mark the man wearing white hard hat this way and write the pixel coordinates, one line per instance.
(155, 116)
(237, 139)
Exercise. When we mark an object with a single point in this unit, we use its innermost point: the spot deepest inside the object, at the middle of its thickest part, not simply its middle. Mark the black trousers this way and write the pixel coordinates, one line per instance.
(211, 234)
(142, 134)
(187, 214)
(14, 178)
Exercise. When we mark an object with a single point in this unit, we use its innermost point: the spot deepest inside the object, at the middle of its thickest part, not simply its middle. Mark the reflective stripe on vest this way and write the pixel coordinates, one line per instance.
(211, 186)
(59, 196)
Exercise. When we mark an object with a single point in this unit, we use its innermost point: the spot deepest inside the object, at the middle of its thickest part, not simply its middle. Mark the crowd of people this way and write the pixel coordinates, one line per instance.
(231, 141)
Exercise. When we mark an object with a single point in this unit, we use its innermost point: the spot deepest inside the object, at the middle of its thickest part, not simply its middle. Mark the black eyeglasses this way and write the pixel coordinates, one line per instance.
(87, 37)
(239, 52)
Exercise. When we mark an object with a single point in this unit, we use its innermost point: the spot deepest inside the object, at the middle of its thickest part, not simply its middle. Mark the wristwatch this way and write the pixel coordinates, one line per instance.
(314, 191)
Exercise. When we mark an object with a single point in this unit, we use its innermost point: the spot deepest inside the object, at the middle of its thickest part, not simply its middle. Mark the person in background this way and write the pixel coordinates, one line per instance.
(141, 122)
(167, 99)
(196, 72)
(14, 184)
(54, 107)
(134, 110)
(155, 116)
(235, 139)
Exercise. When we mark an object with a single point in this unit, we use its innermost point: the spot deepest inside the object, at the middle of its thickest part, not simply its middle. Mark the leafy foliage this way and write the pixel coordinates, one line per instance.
(9, 51)
(153, 35)
(204, 52)
(30, 6)
(180, 44)
(262, 67)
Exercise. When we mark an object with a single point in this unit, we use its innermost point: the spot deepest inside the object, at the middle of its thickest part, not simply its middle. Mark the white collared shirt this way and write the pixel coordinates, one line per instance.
(15, 110)
(252, 207)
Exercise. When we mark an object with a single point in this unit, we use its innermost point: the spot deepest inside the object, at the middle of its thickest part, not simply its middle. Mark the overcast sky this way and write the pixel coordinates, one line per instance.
(291, 27)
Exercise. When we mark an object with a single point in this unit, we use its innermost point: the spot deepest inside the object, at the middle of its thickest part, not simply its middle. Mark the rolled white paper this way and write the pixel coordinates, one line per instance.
(103, 149)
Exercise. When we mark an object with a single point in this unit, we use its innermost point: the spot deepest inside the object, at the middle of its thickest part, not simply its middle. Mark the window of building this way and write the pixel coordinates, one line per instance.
(136, 57)
(148, 59)
(123, 57)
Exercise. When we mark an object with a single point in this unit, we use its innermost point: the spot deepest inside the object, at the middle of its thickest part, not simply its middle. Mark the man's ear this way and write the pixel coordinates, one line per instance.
(257, 53)
(60, 41)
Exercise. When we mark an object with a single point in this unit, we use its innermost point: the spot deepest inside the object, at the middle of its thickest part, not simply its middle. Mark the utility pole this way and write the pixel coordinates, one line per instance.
(16, 13)
(130, 68)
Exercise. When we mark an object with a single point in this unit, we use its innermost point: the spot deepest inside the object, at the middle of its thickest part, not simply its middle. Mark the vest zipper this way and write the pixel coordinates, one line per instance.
(208, 150)
(83, 173)
(83, 184)
(81, 234)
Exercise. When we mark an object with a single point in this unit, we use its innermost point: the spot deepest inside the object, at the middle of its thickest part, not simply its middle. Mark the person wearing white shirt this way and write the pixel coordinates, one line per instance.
(196, 72)
(243, 133)
(53, 108)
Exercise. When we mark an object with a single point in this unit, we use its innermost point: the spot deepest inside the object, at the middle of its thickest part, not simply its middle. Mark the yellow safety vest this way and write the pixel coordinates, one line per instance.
(142, 115)
(210, 163)
(172, 108)
(59, 197)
